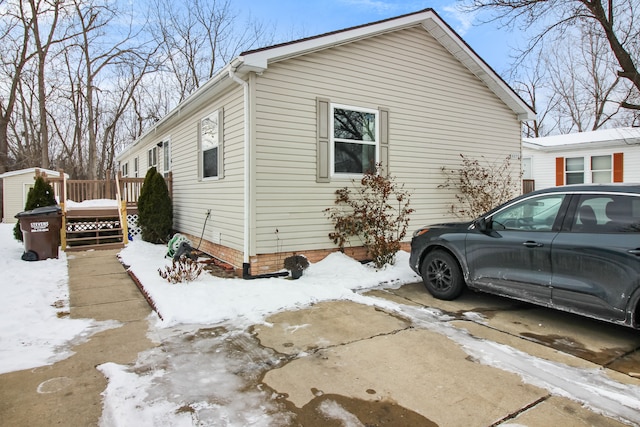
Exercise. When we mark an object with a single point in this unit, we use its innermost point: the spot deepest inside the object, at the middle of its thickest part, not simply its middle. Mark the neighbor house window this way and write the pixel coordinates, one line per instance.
(574, 170)
(125, 169)
(210, 139)
(135, 167)
(601, 169)
(152, 157)
(166, 157)
(355, 140)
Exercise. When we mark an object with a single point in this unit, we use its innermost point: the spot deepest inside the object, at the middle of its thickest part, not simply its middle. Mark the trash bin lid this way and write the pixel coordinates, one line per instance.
(44, 210)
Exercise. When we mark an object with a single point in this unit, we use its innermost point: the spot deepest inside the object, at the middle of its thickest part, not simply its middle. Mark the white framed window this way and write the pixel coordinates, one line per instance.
(355, 140)
(211, 153)
(166, 157)
(152, 157)
(574, 170)
(135, 168)
(601, 169)
(125, 169)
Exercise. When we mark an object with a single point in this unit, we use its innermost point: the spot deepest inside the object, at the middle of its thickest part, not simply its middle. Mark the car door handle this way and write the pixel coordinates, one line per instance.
(634, 252)
(531, 244)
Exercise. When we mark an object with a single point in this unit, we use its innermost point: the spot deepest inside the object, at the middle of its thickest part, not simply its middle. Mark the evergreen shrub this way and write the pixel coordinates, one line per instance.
(155, 209)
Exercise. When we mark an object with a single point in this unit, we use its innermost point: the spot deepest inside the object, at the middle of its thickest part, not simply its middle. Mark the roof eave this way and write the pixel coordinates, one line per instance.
(430, 21)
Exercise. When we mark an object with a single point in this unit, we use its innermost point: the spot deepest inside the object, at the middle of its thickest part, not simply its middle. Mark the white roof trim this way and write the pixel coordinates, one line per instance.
(618, 137)
(259, 59)
(31, 171)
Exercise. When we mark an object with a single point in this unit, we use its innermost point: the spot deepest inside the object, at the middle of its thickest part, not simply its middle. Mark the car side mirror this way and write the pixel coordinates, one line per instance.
(482, 224)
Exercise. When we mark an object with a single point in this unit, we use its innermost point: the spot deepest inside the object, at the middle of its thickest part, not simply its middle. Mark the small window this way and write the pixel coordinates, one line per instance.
(166, 158)
(355, 140)
(125, 169)
(574, 170)
(536, 214)
(135, 167)
(601, 169)
(152, 157)
(209, 145)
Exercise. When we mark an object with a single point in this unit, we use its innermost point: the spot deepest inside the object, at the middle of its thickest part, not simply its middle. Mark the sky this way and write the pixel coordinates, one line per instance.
(158, 384)
(296, 19)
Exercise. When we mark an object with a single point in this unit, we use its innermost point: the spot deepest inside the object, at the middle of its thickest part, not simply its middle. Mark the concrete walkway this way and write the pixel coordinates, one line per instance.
(68, 393)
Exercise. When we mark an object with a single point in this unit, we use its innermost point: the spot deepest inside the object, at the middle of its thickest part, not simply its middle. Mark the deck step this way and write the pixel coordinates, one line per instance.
(93, 228)
(92, 213)
(102, 246)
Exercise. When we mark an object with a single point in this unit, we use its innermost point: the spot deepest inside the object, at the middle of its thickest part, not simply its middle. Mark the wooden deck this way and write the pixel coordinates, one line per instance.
(97, 227)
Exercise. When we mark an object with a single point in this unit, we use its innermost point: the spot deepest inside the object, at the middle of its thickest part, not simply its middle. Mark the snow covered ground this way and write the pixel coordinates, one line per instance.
(34, 326)
(206, 357)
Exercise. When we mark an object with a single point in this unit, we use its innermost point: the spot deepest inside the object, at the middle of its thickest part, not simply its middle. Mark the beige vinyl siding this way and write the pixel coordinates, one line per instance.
(437, 110)
(192, 197)
(140, 151)
(224, 197)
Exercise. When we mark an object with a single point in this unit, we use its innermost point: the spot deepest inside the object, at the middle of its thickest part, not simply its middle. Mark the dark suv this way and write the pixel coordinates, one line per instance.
(575, 248)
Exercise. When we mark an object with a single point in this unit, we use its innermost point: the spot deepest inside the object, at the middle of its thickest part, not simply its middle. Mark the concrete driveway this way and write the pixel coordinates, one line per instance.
(342, 363)
(379, 366)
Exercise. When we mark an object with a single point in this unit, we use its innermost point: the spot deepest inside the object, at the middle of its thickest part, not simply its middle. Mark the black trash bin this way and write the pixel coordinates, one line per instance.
(41, 232)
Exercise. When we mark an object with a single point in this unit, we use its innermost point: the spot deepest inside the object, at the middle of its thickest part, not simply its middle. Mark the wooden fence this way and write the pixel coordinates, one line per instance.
(79, 190)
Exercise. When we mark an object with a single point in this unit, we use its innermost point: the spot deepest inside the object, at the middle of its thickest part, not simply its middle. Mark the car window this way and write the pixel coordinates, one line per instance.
(607, 214)
(535, 214)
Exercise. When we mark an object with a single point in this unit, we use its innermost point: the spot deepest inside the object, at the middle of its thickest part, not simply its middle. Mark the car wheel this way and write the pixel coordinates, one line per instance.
(441, 275)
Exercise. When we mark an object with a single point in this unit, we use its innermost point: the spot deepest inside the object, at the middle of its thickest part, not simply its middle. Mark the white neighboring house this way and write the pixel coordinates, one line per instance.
(601, 156)
(258, 151)
(16, 185)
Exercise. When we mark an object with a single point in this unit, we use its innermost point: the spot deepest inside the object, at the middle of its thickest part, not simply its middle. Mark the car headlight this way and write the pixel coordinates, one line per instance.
(420, 231)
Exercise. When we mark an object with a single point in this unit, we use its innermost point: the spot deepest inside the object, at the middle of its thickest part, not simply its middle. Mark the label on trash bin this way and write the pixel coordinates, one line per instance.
(39, 227)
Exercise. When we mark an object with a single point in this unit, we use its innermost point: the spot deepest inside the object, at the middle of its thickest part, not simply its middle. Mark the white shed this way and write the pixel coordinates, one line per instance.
(16, 185)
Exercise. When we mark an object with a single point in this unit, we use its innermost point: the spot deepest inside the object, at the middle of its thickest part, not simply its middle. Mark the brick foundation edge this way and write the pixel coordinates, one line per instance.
(273, 262)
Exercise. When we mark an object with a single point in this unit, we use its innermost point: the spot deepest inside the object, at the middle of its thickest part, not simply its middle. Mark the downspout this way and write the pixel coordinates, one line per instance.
(246, 265)
(247, 166)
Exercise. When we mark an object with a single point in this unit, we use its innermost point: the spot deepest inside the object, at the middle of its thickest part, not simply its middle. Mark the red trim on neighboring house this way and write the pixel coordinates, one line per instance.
(618, 167)
(559, 170)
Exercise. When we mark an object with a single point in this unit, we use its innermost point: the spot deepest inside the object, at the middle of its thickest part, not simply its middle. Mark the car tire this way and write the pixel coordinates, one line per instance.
(441, 275)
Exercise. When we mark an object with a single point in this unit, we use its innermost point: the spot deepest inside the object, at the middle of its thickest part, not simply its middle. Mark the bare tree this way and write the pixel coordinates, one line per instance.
(15, 31)
(44, 17)
(98, 89)
(198, 37)
(534, 86)
(615, 22)
(584, 79)
(80, 78)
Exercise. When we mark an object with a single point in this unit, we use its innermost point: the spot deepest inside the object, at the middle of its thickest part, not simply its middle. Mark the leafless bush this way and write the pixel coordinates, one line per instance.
(369, 212)
(480, 186)
(181, 270)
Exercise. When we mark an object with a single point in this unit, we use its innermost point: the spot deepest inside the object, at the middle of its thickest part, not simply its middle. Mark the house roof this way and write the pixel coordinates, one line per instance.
(594, 139)
(258, 60)
(29, 171)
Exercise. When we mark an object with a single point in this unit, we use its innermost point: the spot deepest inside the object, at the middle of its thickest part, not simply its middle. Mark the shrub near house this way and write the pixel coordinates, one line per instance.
(155, 209)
